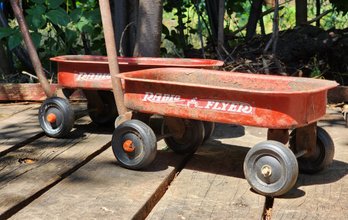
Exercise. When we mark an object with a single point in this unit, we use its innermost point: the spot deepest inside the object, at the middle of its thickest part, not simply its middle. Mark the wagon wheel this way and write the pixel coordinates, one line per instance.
(186, 135)
(134, 144)
(56, 117)
(208, 129)
(104, 112)
(271, 168)
(325, 151)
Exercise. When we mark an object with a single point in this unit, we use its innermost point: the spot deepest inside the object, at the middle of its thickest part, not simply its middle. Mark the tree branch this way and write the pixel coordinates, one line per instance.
(319, 16)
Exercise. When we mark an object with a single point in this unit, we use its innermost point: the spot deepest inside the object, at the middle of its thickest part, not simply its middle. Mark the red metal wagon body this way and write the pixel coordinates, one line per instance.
(92, 72)
(275, 102)
(191, 100)
(248, 99)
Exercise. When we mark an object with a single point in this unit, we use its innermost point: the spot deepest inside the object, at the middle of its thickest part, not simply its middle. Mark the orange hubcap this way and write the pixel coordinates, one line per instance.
(128, 146)
(51, 118)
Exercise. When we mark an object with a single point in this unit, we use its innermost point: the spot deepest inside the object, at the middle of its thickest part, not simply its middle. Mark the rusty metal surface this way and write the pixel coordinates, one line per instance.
(281, 135)
(306, 140)
(140, 61)
(248, 99)
(253, 83)
(111, 49)
(92, 72)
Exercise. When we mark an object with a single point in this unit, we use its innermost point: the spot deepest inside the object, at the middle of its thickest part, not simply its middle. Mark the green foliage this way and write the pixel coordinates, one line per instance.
(58, 17)
(6, 32)
(56, 27)
(186, 22)
(186, 35)
(235, 6)
(178, 10)
(14, 40)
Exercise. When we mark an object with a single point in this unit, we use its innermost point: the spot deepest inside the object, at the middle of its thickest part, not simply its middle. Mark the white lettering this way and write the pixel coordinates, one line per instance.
(232, 108)
(247, 109)
(161, 98)
(148, 96)
(216, 106)
(83, 76)
(166, 98)
(209, 104)
(157, 97)
(224, 106)
(177, 98)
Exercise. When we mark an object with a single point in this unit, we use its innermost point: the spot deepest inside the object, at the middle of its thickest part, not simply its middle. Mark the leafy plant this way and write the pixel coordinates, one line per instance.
(60, 27)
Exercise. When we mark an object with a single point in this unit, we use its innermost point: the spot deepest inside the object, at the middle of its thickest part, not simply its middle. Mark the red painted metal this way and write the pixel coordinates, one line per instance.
(92, 72)
(275, 102)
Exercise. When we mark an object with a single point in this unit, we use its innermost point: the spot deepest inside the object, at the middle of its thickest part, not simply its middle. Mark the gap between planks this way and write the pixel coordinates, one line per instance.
(146, 209)
(10, 212)
(267, 210)
(22, 143)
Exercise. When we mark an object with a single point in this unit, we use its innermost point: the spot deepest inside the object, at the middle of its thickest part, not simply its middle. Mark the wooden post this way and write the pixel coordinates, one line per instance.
(149, 28)
(254, 16)
(301, 12)
(221, 25)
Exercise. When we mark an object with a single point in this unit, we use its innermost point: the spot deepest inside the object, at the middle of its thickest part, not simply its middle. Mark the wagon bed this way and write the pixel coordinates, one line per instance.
(228, 97)
(92, 72)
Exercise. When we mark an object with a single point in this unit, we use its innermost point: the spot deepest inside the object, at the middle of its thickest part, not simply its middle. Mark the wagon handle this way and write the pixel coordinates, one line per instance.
(112, 57)
(34, 58)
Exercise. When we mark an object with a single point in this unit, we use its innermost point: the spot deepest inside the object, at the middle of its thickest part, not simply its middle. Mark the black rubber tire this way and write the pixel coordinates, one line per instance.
(192, 138)
(208, 129)
(64, 113)
(104, 115)
(283, 164)
(145, 144)
(326, 148)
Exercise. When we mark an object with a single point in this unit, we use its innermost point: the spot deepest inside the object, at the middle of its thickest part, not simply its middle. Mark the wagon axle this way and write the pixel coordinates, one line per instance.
(266, 170)
(51, 118)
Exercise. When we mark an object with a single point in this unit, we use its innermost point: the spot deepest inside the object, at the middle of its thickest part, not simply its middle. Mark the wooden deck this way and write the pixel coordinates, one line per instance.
(78, 177)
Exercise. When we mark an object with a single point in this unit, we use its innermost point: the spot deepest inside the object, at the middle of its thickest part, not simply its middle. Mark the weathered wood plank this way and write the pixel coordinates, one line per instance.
(323, 195)
(103, 190)
(212, 185)
(28, 171)
(31, 92)
(9, 109)
(23, 92)
(23, 126)
(19, 128)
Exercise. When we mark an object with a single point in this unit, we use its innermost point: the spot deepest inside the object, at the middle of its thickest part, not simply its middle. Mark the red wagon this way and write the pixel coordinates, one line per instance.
(91, 74)
(186, 97)
(190, 101)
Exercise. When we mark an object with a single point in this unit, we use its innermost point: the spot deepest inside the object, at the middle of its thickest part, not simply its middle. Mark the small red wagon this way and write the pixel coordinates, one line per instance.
(91, 74)
(187, 97)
